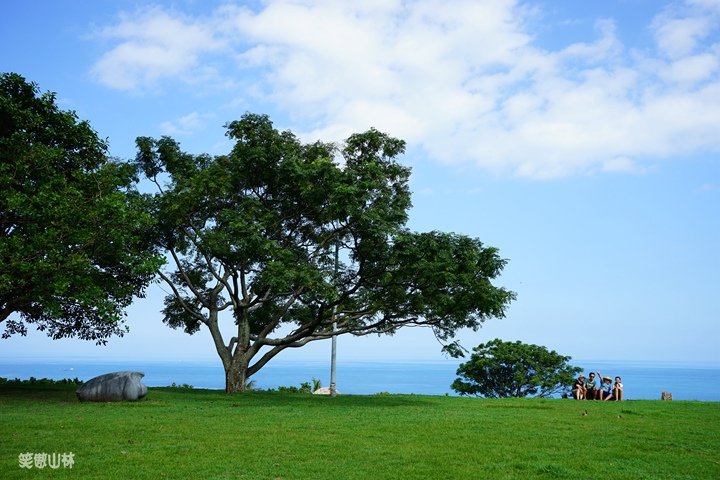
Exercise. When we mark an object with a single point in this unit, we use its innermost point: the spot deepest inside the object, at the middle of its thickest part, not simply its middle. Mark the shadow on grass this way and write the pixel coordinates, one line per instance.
(518, 407)
(47, 393)
(261, 399)
(252, 399)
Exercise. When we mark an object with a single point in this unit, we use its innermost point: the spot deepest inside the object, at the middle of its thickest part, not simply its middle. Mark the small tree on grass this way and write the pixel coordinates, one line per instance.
(499, 369)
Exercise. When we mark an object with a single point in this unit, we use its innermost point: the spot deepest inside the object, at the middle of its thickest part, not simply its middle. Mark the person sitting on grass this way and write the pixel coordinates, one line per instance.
(618, 389)
(606, 388)
(578, 390)
(591, 387)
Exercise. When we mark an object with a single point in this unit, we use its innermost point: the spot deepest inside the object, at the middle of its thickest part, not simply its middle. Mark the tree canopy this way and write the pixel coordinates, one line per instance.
(499, 369)
(253, 236)
(74, 243)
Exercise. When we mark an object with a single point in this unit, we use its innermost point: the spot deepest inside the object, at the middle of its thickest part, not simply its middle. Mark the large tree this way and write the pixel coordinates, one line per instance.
(254, 237)
(74, 247)
(499, 369)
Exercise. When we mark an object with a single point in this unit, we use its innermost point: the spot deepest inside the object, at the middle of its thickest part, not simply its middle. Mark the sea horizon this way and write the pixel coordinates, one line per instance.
(644, 380)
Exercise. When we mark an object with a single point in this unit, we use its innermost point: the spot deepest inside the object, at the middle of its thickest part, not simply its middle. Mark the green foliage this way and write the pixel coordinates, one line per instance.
(381, 437)
(40, 381)
(305, 387)
(254, 233)
(184, 386)
(74, 243)
(499, 369)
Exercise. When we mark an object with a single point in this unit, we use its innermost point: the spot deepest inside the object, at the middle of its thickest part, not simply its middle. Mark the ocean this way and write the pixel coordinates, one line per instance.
(642, 380)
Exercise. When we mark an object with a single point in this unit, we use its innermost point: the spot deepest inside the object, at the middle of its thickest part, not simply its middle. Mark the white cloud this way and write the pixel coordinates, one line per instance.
(692, 69)
(621, 165)
(712, 6)
(185, 125)
(153, 44)
(607, 46)
(680, 36)
(463, 80)
(709, 187)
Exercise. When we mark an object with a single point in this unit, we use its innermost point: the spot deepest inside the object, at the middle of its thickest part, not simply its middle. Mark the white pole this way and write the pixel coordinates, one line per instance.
(333, 388)
(333, 352)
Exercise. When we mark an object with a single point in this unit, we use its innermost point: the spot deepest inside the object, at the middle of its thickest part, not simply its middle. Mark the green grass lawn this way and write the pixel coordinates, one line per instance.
(207, 434)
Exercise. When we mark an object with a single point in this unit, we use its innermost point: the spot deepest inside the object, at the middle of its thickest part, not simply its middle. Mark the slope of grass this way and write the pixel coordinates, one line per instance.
(179, 433)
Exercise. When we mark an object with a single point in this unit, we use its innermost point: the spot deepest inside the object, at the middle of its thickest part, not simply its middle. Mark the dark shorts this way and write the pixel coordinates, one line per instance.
(604, 394)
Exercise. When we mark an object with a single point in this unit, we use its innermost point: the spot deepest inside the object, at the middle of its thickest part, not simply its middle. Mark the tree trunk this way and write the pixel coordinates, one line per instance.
(235, 376)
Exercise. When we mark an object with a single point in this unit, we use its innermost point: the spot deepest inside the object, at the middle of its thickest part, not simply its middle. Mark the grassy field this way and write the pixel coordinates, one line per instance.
(205, 434)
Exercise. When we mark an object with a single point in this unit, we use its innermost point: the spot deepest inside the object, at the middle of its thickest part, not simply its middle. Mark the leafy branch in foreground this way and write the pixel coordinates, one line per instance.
(74, 250)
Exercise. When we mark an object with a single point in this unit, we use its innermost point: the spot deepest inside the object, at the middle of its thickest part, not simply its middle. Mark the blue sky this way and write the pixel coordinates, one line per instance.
(580, 138)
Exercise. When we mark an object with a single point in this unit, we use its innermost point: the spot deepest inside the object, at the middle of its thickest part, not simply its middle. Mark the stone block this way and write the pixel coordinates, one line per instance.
(113, 387)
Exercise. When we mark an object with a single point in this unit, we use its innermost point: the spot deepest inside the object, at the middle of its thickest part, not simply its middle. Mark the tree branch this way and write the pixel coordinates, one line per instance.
(276, 321)
(189, 283)
(265, 359)
(301, 336)
(180, 299)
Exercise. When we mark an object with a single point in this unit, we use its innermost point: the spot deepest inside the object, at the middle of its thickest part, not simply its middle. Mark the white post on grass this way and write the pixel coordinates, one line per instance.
(333, 352)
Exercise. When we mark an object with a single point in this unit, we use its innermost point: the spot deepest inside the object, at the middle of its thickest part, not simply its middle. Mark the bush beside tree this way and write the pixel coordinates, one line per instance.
(499, 369)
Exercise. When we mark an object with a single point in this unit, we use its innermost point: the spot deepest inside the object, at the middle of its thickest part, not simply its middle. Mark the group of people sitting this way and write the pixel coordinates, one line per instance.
(588, 388)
